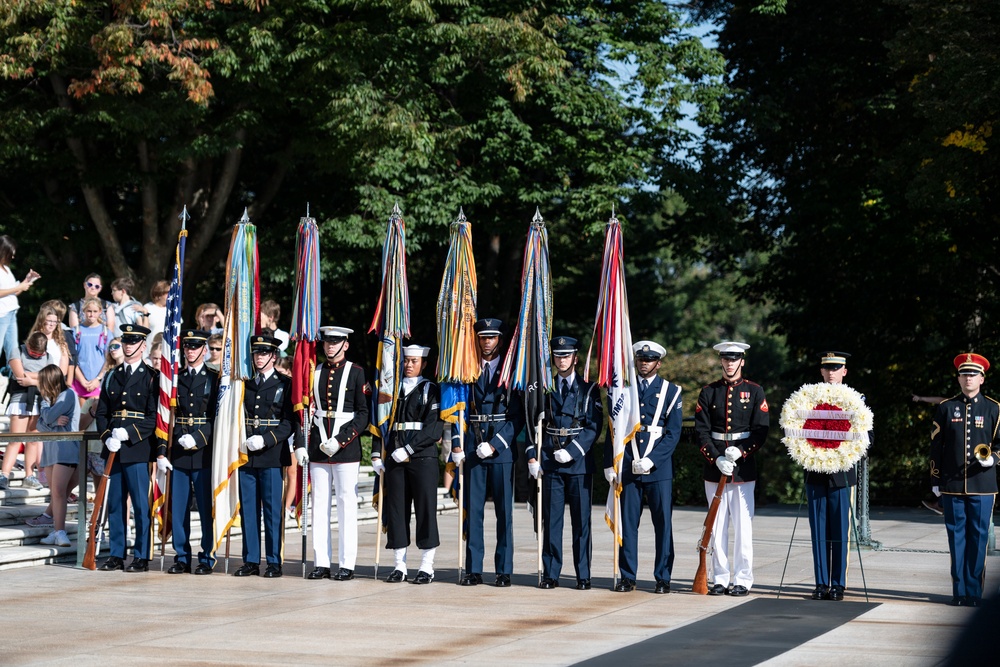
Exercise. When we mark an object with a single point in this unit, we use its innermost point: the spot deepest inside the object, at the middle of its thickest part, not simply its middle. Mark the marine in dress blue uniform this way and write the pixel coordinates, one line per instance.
(731, 423)
(126, 420)
(191, 454)
(964, 451)
(573, 422)
(267, 402)
(829, 498)
(648, 470)
(409, 462)
(495, 417)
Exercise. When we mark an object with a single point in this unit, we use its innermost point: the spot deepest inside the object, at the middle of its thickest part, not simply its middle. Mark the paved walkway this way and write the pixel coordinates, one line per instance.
(59, 615)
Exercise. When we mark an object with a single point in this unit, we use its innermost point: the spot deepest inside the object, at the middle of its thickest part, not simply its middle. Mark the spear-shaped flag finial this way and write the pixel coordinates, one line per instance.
(395, 209)
(184, 217)
(245, 220)
(537, 220)
(461, 215)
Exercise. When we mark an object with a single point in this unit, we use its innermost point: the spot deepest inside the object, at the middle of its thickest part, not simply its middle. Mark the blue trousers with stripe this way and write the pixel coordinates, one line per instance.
(967, 520)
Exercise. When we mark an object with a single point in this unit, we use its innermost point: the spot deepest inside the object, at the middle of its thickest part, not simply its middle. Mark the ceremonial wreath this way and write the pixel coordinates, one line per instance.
(826, 427)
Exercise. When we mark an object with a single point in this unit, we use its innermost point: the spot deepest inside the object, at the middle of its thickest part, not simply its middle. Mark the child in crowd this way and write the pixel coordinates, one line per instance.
(60, 412)
(127, 309)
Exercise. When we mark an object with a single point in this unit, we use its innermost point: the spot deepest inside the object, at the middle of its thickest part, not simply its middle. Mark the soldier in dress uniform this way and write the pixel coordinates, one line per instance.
(191, 454)
(829, 498)
(731, 423)
(340, 396)
(648, 469)
(267, 402)
(495, 419)
(126, 419)
(964, 451)
(409, 462)
(573, 420)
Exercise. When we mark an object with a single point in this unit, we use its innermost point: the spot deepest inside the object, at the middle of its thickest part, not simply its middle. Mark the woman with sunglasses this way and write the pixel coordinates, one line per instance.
(9, 289)
(92, 286)
(92, 342)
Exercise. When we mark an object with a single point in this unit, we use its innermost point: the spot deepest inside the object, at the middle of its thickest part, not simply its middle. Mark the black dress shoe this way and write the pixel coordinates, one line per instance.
(272, 572)
(972, 602)
(503, 581)
(247, 570)
(422, 578)
(625, 586)
(717, 589)
(662, 587)
(111, 564)
(395, 577)
(179, 568)
(548, 584)
(138, 565)
(738, 591)
(583, 584)
(319, 573)
(203, 568)
(837, 593)
(472, 579)
(343, 574)
(957, 602)
(821, 593)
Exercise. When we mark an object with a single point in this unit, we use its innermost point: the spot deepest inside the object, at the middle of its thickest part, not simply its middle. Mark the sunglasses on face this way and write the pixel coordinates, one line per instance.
(94, 286)
(215, 349)
(115, 346)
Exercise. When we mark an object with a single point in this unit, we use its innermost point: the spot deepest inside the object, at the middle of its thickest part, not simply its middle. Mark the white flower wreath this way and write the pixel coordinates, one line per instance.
(826, 427)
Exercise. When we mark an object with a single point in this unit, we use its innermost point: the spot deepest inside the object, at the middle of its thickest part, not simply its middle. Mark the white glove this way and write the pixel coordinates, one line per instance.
(485, 450)
(457, 457)
(186, 441)
(163, 464)
(609, 474)
(113, 444)
(399, 455)
(534, 469)
(936, 490)
(646, 463)
(988, 463)
(733, 453)
(330, 447)
(378, 466)
(301, 456)
(254, 443)
(725, 466)
(119, 434)
(562, 456)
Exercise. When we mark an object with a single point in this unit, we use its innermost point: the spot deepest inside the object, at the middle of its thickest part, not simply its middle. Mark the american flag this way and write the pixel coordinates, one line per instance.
(171, 337)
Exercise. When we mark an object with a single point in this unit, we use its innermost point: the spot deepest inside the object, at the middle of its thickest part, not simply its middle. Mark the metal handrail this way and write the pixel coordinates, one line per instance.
(85, 437)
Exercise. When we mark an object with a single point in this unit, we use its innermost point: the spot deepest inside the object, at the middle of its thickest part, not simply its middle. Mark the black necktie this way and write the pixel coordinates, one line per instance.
(565, 388)
(128, 372)
(486, 373)
(643, 385)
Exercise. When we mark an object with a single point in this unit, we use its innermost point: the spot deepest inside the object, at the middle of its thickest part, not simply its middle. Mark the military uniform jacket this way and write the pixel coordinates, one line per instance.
(960, 425)
(580, 410)
(197, 396)
(495, 416)
(662, 452)
(421, 406)
(269, 400)
(130, 403)
(727, 410)
(356, 398)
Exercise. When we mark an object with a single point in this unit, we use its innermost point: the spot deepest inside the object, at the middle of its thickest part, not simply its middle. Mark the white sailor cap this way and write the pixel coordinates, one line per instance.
(731, 350)
(647, 349)
(416, 351)
(334, 334)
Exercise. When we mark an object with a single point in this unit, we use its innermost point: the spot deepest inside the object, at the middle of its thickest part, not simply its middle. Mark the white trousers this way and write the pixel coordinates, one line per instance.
(344, 479)
(736, 508)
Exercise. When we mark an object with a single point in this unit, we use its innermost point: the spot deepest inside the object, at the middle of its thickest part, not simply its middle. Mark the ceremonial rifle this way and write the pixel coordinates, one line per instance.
(96, 518)
(701, 576)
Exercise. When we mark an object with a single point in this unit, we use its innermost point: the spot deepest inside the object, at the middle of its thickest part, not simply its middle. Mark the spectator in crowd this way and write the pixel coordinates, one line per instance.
(270, 311)
(115, 354)
(209, 318)
(154, 351)
(23, 407)
(214, 360)
(156, 308)
(60, 411)
(48, 322)
(92, 286)
(9, 289)
(127, 309)
(92, 344)
(60, 308)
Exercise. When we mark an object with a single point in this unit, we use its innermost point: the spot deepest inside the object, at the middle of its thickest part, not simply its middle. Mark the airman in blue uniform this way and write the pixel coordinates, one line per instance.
(964, 451)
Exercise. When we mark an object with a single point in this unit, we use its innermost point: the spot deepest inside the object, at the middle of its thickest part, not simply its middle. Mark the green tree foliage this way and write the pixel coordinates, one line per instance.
(855, 150)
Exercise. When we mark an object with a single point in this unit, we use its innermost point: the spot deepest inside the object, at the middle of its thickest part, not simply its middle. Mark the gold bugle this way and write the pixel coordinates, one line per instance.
(983, 452)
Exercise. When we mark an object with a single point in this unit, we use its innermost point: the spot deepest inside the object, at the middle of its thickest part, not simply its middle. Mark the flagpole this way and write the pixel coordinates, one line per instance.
(538, 497)
(461, 498)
